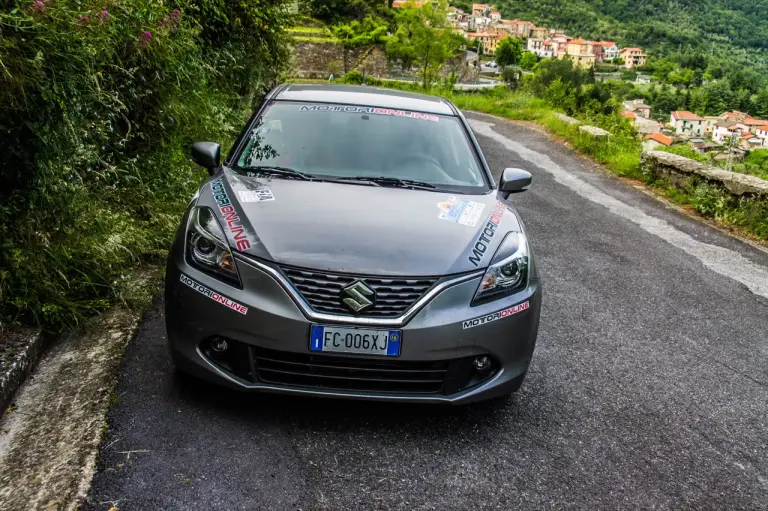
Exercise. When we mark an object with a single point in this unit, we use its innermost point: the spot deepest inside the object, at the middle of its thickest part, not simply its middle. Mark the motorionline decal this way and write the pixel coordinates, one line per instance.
(213, 295)
(232, 219)
(493, 316)
(368, 110)
(489, 231)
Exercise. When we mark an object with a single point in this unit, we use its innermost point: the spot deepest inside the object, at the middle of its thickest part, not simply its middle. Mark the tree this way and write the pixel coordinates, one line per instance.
(508, 52)
(528, 60)
(355, 33)
(423, 39)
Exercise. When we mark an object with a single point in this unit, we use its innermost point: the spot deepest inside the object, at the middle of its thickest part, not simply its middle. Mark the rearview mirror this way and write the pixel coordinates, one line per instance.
(514, 181)
(206, 154)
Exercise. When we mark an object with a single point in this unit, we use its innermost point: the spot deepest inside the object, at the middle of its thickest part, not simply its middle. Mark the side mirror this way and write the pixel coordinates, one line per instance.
(206, 154)
(514, 181)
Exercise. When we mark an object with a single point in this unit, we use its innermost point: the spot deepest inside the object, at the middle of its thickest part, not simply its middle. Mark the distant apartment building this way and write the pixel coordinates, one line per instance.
(489, 40)
(597, 50)
(538, 32)
(633, 57)
(483, 9)
(638, 107)
(581, 53)
(610, 50)
(543, 48)
(687, 123)
(560, 45)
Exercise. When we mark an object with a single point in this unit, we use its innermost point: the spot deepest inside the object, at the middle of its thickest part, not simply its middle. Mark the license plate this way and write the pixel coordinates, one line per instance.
(362, 341)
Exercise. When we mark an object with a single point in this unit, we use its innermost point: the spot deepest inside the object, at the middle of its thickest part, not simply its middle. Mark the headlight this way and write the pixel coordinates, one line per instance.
(207, 247)
(508, 272)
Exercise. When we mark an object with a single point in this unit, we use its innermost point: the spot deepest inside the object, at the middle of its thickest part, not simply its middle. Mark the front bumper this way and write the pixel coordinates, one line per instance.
(274, 330)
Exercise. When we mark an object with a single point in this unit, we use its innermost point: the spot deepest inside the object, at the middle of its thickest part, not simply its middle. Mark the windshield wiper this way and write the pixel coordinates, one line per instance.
(391, 181)
(282, 171)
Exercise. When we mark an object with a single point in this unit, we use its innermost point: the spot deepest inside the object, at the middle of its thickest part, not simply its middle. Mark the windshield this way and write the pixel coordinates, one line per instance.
(344, 141)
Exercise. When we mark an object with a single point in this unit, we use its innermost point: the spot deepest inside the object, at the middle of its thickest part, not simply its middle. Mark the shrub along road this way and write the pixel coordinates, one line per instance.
(648, 387)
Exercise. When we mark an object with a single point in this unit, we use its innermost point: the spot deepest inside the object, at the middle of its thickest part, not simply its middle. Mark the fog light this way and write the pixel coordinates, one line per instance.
(481, 363)
(219, 345)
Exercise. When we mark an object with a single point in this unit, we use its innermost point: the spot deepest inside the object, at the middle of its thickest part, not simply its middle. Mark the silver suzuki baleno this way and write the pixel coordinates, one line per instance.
(353, 244)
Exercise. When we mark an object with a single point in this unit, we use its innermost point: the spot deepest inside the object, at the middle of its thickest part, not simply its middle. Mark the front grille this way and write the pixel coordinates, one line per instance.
(323, 291)
(343, 373)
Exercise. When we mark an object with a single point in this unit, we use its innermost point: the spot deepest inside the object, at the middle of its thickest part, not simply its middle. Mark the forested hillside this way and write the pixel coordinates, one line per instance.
(730, 31)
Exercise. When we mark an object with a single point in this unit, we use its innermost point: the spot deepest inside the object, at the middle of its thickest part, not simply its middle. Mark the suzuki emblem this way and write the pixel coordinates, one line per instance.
(355, 296)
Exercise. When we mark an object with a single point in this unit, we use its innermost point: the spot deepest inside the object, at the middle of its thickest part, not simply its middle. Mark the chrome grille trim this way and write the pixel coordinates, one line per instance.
(322, 291)
(354, 320)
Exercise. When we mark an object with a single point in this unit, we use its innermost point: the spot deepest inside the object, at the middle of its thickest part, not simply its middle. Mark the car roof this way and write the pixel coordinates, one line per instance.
(364, 96)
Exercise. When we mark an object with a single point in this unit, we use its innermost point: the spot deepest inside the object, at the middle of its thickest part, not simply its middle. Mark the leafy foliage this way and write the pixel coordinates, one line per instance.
(508, 52)
(98, 106)
(423, 39)
(360, 33)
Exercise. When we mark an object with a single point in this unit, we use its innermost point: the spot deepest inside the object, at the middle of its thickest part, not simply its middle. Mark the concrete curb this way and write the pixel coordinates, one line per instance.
(49, 441)
(13, 376)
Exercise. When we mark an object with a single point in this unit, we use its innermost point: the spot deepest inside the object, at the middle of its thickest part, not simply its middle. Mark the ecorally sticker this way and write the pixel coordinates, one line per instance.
(258, 195)
(464, 212)
(489, 231)
(232, 219)
(368, 110)
(213, 295)
(493, 316)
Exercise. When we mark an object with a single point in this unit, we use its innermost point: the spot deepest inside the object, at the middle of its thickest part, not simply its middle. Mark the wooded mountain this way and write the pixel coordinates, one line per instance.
(729, 30)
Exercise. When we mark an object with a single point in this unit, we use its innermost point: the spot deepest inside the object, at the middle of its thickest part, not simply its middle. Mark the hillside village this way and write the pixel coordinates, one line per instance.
(485, 24)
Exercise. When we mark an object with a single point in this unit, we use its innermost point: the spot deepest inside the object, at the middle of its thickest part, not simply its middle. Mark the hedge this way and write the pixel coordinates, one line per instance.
(99, 101)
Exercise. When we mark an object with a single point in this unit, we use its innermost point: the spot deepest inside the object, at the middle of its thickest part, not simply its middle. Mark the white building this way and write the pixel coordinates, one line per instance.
(610, 51)
(687, 123)
(543, 48)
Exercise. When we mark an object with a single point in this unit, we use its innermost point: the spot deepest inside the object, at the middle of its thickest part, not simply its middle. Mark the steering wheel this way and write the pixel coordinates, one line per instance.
(427, 165)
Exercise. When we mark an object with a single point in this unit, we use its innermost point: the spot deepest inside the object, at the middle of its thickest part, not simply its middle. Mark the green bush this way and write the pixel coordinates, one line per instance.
(97, 107)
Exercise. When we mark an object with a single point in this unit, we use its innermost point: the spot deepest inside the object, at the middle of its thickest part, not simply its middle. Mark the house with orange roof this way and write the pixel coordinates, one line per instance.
(483, 9)
(661, 139)
(580, 52)
(538, 32)
(496, 16)
(633, 57)
(609, 50)
(687, 123)
(489, 39)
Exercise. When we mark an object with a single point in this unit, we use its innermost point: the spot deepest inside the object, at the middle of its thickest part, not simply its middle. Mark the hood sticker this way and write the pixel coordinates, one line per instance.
(258, 195)
(464, 212)
(213, 295)
(493, 316)
(487, 234)
(368, 110)
(231, 218)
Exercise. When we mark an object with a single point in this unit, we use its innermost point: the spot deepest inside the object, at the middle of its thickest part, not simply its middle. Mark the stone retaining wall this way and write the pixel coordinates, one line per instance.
(685, 172)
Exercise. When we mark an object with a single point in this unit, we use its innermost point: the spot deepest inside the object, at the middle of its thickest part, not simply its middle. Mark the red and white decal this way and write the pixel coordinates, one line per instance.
(482, 320)
(368, 110)
(213, 295)
(231, 218)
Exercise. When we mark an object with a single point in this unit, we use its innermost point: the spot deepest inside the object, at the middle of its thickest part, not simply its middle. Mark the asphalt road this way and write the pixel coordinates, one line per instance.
(648, 388)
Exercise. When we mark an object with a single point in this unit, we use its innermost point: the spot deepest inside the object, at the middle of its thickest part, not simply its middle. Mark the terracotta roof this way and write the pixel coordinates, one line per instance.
(578, 41)
(684, 115)
(661, 138)
(631, 49)
(755, 122)
(629, 115)
(496, 12)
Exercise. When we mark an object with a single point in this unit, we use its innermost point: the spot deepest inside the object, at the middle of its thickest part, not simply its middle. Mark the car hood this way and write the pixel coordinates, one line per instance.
(348, 228)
